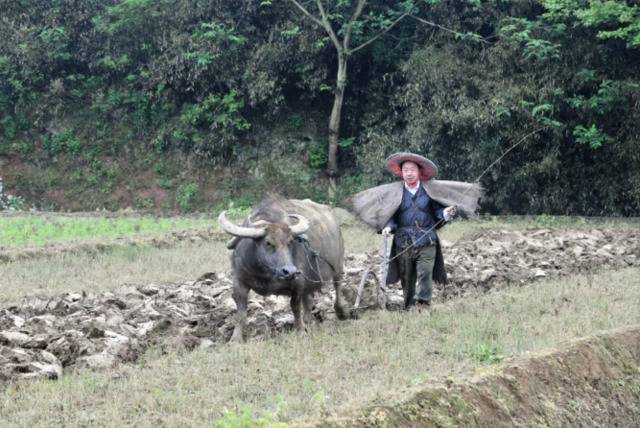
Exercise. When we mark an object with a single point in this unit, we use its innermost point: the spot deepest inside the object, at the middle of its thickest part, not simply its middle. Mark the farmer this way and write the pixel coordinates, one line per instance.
(412, 210)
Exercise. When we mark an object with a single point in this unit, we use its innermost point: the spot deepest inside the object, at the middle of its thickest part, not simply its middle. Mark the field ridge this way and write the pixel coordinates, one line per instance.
(590, 381)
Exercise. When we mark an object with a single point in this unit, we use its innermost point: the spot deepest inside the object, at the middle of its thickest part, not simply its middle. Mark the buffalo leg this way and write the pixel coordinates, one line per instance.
(307, 301)
(240, 296)
(296, 303)
(339, 305)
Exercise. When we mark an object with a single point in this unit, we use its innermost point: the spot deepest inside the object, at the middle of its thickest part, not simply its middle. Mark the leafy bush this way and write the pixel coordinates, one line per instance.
(186, 196)
(591, 136)
(295, 122)
(486, 353)
(210, 127)
(9, 202)
(63, 142)
(318, 156)
(216, 112)
(236, 209)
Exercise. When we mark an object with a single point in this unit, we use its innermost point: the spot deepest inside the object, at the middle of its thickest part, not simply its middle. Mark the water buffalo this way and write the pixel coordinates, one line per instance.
(286, 247)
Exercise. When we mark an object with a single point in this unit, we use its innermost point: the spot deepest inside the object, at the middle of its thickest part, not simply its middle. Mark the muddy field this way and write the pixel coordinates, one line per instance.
(46, 337)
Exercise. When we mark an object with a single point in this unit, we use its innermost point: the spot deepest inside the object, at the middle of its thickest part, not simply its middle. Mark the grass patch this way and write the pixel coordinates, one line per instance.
(21, 231)
(28, 230)
(337, 366)
(486, 352)
(93, 273)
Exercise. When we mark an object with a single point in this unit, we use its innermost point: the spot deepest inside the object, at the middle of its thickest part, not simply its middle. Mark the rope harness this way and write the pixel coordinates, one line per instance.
(308, 249)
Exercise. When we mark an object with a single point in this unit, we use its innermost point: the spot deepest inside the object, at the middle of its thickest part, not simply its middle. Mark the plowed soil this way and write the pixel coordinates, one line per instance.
(45, 337)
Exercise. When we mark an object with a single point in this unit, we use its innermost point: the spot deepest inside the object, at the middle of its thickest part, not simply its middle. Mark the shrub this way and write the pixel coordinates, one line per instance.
(486, 353)
(186, 196)
(63, 142)
(9, 202)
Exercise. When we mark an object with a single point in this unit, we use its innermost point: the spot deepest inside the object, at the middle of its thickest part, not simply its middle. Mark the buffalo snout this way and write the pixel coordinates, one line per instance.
(287, 272)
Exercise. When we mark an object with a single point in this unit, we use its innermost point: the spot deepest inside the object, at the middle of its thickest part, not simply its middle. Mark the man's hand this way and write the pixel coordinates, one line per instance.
(386, 231)
(451, 212)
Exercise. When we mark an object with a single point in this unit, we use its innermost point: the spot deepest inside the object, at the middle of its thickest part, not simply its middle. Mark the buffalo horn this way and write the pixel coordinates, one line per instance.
(258, 223)
(240, 231)
(301, 227)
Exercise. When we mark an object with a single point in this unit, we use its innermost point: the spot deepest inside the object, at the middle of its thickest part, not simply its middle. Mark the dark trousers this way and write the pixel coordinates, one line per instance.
(416, 274)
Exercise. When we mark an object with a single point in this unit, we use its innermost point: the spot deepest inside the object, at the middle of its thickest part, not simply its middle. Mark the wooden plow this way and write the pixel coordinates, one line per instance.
(375, 287)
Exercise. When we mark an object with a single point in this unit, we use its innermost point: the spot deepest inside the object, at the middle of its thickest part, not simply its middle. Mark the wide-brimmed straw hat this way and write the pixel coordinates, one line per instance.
(428, 169)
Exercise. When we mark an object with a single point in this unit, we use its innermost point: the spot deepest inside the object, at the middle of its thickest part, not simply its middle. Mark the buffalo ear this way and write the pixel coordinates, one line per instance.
(231, 243)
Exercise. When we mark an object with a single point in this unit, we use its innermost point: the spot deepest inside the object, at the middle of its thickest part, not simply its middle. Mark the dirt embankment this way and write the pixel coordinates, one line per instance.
(44, 337)
(588, 382)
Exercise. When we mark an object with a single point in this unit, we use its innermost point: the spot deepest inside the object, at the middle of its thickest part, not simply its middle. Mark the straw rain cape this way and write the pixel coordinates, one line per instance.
(377, 205)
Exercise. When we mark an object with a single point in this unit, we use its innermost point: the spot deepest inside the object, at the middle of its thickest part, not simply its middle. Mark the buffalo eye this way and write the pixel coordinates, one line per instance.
(269, 246)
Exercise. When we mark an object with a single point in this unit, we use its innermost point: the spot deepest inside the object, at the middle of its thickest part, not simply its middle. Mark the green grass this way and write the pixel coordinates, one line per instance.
(21, 231)
(28, 230)
(336, 367)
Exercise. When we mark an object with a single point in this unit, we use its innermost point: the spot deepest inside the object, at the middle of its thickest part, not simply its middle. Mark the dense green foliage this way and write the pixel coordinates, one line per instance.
(168, 100)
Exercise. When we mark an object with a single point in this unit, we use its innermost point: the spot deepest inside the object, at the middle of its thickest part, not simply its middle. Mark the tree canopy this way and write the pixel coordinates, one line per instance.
(97, 87)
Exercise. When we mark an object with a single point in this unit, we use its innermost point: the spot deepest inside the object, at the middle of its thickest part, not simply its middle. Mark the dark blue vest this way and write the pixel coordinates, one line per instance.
(416, 215)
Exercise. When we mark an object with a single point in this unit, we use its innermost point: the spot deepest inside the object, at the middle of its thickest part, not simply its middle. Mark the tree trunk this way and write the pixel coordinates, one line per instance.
(334, 123)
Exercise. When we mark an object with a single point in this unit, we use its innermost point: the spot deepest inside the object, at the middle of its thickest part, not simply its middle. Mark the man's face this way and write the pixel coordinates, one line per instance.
(410, 173)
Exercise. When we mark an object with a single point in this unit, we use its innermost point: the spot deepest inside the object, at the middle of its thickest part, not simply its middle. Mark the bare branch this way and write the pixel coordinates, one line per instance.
(380, 34)
(354, 18)
(307, 13)
(433, 24)
(327, 26)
